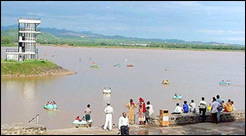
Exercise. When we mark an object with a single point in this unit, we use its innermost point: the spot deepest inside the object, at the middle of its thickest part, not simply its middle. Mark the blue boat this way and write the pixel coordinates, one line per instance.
(179, 97)
(49, 106)
(224, 82)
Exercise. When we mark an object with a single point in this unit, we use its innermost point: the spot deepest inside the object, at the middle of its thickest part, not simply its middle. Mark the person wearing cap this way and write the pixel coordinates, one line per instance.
(109, 114)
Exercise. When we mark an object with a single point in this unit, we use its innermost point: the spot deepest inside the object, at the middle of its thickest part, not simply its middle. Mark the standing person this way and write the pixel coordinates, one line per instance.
(215, 105)
(87, 114)
(202, 108)
(141, 102)
(141, 116)
(131, 107)
(185, 107)
(151, 109)
(142, 110)
(147, 115)
(109, 114)
(124, 124)
(220, 108)
(192, 106)
(233, 107)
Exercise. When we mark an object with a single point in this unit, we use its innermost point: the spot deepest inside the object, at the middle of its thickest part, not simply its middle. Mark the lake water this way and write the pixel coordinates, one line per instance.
(192, 73)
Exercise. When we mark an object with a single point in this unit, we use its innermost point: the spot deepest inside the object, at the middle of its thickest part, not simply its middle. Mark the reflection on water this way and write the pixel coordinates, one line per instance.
(106, 98)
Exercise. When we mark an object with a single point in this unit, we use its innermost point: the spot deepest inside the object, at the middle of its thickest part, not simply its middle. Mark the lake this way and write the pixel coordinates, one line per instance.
(191, 73)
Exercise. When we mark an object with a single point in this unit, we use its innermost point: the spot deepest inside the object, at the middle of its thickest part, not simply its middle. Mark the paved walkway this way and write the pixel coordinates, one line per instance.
(237, 127)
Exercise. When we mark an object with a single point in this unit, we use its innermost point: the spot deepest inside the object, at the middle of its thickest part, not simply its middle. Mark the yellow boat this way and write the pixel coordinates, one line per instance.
(165, 82)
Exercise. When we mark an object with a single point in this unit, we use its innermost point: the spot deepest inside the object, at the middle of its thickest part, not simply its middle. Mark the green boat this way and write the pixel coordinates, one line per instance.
(95, 66)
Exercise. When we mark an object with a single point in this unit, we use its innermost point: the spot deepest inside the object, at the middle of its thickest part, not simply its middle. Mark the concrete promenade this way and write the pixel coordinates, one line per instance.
(226, 128)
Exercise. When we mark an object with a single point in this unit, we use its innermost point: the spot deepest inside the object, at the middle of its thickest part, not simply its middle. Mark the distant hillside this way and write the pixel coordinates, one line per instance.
(87, 38)
(63, 33)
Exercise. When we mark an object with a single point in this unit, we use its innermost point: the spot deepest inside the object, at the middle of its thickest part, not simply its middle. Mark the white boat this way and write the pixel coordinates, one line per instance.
(107, 90)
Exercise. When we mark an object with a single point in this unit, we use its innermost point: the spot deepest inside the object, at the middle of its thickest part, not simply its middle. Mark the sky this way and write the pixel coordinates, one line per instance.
(220, 21)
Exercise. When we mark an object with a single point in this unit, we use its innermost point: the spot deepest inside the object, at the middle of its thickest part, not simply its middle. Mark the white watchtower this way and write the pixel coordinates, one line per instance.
(27, 33)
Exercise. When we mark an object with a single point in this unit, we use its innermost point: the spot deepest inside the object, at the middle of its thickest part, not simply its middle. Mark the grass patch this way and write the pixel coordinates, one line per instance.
(28, 67)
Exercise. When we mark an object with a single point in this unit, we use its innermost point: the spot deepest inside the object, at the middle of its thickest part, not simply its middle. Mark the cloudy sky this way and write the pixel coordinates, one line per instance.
(185, 20)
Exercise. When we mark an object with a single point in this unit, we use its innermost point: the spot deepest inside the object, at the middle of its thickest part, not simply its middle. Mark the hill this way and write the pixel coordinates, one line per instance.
(87, 38)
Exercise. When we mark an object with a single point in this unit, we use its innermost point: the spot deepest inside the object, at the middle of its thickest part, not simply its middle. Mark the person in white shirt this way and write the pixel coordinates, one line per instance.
(151, 110)
(202, 108)
(192, 107)
(124, 124)
(109, 114)
(178, 109)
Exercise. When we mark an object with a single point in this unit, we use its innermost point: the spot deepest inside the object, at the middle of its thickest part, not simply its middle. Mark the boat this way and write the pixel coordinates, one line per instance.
(179, 97)
(82, 122)
(228, 82)
(107, 90)
(165, 82)
(117, 65)
(130, 65)
(95, 66)
(50, 106)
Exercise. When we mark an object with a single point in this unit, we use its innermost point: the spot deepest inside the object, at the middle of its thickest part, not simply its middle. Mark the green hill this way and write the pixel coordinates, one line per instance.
(86, 38)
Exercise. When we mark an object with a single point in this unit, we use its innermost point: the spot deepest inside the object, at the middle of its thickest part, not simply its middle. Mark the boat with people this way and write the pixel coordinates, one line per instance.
(82, 122)
(223, 82)
(165, 82)
(50, 106)
(130, 65)
(107, 90)
(179, 97)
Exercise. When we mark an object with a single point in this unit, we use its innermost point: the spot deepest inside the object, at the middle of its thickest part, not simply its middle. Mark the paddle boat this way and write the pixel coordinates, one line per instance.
(82, 123)
(50, 106)
(117, 65)
(228, 82)
(165, 82)
(107, 90)
(95, 66)
(130, 65)
(179, 97)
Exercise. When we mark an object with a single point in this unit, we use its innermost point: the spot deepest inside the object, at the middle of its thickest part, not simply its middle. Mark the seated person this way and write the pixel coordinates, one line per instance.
(228, 106)
(54, 102)
(178, 109)
(185, 107)
(78, 118)
(209, 107)
(47, 103)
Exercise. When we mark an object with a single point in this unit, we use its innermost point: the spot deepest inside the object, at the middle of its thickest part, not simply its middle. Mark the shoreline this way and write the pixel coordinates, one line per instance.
(142, 48)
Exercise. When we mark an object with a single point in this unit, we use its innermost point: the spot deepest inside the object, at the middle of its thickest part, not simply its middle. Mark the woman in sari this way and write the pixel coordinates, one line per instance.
(142, 110)
(131, 107)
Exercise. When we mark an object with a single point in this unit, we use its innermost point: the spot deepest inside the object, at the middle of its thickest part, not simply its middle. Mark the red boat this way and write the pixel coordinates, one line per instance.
(130, 65)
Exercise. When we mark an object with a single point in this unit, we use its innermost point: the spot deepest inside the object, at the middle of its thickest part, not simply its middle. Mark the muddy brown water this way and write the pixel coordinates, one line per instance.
(191, 73)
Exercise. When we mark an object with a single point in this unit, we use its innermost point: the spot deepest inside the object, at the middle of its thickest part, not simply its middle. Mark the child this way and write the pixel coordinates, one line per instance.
(147, 115)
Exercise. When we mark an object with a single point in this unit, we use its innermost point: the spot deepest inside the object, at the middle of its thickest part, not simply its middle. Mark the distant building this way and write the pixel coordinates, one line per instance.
(27, 33)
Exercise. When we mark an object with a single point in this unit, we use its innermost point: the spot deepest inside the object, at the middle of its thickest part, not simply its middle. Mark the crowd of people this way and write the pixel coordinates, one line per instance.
(215, 108)
(146, 111)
